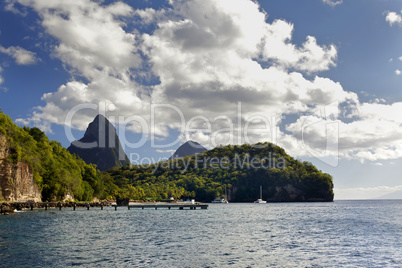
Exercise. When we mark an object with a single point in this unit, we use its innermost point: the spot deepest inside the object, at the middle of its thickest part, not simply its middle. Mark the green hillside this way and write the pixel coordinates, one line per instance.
(238, 169)
(55, 170)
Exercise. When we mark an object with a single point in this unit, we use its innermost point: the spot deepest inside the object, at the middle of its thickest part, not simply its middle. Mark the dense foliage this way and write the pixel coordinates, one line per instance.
(239, 170)
(55, 170)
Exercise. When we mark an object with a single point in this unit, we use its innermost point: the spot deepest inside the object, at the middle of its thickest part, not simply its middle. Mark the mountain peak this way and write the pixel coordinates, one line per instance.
(100, 116)
(188, 148)
(100, 145)
(99, 129)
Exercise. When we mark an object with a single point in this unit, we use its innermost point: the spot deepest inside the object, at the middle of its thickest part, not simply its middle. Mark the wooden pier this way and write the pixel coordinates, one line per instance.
(7, 208)
(165, 205)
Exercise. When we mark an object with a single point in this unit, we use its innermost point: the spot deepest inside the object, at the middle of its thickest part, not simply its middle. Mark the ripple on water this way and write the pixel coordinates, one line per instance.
(342, 233)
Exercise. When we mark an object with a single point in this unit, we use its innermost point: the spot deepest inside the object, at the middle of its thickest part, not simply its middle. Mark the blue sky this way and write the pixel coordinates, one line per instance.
(324, 76)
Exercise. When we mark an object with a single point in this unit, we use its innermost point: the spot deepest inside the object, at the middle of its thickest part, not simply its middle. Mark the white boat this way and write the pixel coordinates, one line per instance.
(220, 200)
(259, 200)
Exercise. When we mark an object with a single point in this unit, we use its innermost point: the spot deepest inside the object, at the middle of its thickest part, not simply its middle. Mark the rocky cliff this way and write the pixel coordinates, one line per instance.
(100, 145)
(16, 180)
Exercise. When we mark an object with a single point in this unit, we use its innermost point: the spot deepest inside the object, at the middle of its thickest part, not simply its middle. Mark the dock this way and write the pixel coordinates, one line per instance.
(9, 207)
(165, 205)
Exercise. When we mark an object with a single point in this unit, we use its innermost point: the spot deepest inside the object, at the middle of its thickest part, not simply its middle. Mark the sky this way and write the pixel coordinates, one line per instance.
(320, 78)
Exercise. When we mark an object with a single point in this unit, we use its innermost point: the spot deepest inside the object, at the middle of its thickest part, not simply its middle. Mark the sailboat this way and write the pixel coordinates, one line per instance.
(259, 200)
(221, 200)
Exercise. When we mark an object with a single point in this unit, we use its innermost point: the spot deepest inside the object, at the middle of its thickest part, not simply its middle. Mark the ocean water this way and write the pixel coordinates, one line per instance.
(338, 234)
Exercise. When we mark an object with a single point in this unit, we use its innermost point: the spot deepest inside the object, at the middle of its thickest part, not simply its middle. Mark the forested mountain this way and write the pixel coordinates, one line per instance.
(240, 169)
(55, 171)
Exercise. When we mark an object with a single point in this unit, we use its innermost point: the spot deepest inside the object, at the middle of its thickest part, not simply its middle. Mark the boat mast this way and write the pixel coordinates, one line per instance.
(261, 192)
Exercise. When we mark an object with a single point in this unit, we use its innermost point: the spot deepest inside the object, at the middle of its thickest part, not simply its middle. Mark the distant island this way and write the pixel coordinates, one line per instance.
(36, 169)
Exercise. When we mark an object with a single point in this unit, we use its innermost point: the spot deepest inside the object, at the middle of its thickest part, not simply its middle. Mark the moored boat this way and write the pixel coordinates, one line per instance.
(220, 200)
(259, 200)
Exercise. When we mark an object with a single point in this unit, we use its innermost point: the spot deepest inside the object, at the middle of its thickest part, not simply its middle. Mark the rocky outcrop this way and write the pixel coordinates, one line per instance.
(188, 148)
(100, 145)
(16, 180)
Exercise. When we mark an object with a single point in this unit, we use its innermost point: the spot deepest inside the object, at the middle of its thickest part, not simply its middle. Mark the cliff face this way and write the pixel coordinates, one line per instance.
(100, 145)
(16, 180)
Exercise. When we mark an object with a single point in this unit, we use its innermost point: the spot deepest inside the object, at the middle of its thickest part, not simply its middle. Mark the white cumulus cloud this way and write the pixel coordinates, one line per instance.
(1, 78)
(9, 5)
(310, 57)
(393, 18)
(93, 45)
(332, 3)
(21, 55)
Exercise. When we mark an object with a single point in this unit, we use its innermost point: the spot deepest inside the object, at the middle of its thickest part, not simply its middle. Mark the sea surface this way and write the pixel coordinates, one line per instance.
(338, 234)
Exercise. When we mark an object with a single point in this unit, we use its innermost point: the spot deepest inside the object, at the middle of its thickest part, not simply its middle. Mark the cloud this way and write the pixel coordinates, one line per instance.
(332, 3)
(1, 78)
(4, 89)
(91, 38)
(94, 47)
(150, 15)
(21, 55)
(165, 151)
(397, 72)
(310, 57)
(373, 134)
(393, 18)
(10, 5)
(218, 66)
(214, 49)
(377, 164)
